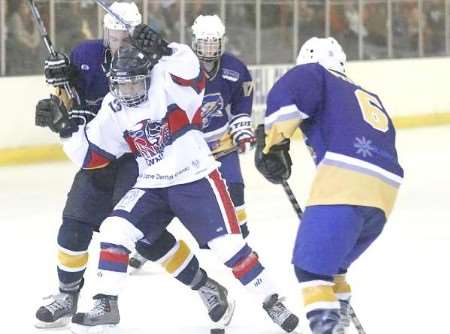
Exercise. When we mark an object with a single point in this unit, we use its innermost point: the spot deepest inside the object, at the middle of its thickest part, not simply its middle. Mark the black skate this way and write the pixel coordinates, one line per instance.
(59, 312)
(280, 314)
(137, 261)
(104, 315)
(215, 297)
(344, 313)
(325, 322)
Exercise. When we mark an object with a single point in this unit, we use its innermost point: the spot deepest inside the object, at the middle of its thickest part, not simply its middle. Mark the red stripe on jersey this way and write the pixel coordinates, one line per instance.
(245, 266)
(198, 84)
(226, 201)
(130, 143)
(177, 119)
(197, 119)
(96, 160)
(106, 255)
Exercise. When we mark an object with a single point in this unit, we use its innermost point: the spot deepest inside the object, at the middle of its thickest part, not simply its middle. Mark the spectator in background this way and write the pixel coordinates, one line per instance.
(23, 40)
(434, 34)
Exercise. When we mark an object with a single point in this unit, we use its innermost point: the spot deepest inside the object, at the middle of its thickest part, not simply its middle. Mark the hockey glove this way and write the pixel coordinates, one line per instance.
(242, 134)
(150, 43)
(275, 166)
(52, 113)
(57, 70)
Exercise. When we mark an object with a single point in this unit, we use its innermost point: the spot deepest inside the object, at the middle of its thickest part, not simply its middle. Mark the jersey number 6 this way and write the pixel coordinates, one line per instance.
(372, 110)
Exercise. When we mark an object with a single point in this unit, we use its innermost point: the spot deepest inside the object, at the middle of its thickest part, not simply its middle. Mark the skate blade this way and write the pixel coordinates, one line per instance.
(104, 329)
(61, 322)
(228, 315)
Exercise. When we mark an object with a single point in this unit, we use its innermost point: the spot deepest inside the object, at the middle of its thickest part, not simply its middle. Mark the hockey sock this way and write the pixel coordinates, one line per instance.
(112, 268)
(341, 287)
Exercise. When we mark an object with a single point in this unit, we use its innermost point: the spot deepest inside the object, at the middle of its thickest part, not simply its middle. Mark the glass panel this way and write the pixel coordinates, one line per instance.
(163, 16)
(311, 20)
(344, 25)
(24, 49)
(375, 18)
(2, 36)
(405, 29)
(241, 31)
(276, 32)
(434, 30)
(196, 8)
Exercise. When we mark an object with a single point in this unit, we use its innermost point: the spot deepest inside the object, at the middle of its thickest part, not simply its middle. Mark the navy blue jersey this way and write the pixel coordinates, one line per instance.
(228, 94)
(90, 80)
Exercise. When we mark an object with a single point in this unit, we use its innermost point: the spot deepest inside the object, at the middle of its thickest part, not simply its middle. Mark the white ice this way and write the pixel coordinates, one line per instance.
(399, 285)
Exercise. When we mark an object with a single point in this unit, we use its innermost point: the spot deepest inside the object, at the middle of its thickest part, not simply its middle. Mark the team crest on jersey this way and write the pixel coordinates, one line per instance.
(149, 138)
(212, 107)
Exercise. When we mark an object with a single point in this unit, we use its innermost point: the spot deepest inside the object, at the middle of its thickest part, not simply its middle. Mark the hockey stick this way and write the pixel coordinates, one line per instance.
(103, 4)
(48, 42)
(299, 211)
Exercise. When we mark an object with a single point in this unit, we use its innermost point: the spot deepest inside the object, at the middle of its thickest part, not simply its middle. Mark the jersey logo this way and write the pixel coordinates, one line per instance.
(230, 75)
(212, 107)
(85, 67)
(148, 139)
(364, 146)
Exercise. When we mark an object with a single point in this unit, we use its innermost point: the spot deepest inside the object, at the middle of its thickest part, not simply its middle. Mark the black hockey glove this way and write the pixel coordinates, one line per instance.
(52, 113)
(150, 43)
(275, 166)
(57, 70)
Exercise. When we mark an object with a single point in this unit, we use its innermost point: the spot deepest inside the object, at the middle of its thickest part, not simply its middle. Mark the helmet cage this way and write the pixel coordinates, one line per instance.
(130, 91)
(208, 48)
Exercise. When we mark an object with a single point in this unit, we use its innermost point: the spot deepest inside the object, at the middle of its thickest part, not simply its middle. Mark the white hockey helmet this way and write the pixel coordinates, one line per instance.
(325, 51)
(208, 40)
(115, 32)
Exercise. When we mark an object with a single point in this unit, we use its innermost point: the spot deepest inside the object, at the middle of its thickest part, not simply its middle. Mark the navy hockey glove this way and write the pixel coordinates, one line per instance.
(150, 43)
(53, 114)
(275, 166)
(57, 70)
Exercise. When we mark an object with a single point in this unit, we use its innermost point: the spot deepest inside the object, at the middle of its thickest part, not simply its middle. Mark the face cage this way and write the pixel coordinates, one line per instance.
(127, 90)
(114, 39)
(209, 49)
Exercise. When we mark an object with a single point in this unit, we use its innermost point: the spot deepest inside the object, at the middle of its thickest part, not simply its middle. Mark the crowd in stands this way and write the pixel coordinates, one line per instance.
(76, 20)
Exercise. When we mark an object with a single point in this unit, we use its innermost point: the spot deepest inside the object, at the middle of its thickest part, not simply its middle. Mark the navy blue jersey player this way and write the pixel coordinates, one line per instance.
(227, 105)
(94, 192)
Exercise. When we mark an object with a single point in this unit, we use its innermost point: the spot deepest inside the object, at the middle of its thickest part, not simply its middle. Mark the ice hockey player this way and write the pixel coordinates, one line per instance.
(94, 192)
(151, 113)
(226, 110)
(352, 140)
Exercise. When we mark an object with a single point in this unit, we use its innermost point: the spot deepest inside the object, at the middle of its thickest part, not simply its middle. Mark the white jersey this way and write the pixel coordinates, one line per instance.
(164, 132)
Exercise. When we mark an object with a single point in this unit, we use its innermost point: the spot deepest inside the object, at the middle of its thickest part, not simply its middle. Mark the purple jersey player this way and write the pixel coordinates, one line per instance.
(352, 140)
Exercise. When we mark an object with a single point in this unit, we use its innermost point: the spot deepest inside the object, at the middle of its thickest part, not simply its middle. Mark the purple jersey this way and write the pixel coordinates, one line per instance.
(346, 127)
(90, 80)
(229, 94)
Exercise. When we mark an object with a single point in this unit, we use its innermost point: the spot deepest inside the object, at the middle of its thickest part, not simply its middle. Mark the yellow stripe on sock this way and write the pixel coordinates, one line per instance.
(318, 294)
(176, 260)
(241, 216)
(341, 285)
(73, 261)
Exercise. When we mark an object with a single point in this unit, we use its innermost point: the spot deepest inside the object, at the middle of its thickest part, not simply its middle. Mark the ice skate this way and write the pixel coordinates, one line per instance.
(280, 314)
(344, 313)
(325, 322)
(59, 312)
(220, 306)
(102, 317)
(137, 261)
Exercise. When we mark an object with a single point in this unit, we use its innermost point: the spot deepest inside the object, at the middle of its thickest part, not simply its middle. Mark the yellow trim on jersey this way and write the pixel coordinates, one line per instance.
(318, 294)
(176, 260)
(280, 131)
(73, 261)
(225, 144)
(336, 185)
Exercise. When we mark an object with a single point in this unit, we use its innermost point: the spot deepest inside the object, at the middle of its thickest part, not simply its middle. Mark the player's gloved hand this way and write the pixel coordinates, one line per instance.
(150, 43)
(57, 70)
(81, 117)
(241, 133)
(53, 114)
(275, 166)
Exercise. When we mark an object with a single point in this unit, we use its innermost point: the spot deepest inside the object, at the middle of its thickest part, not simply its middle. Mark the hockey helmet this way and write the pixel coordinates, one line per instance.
(115, 33)
(129, 77)
(325, 51)
(208, 40)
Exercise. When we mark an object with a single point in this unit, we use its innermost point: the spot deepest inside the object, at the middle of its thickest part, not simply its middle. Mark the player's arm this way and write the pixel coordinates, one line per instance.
(295, 97)
(240, 128)
(98, 143)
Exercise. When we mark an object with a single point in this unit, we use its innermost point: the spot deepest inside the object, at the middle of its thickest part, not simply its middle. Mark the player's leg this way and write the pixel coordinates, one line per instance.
(374, 221)
(325, 237)
(88, 203)
(206, 209)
